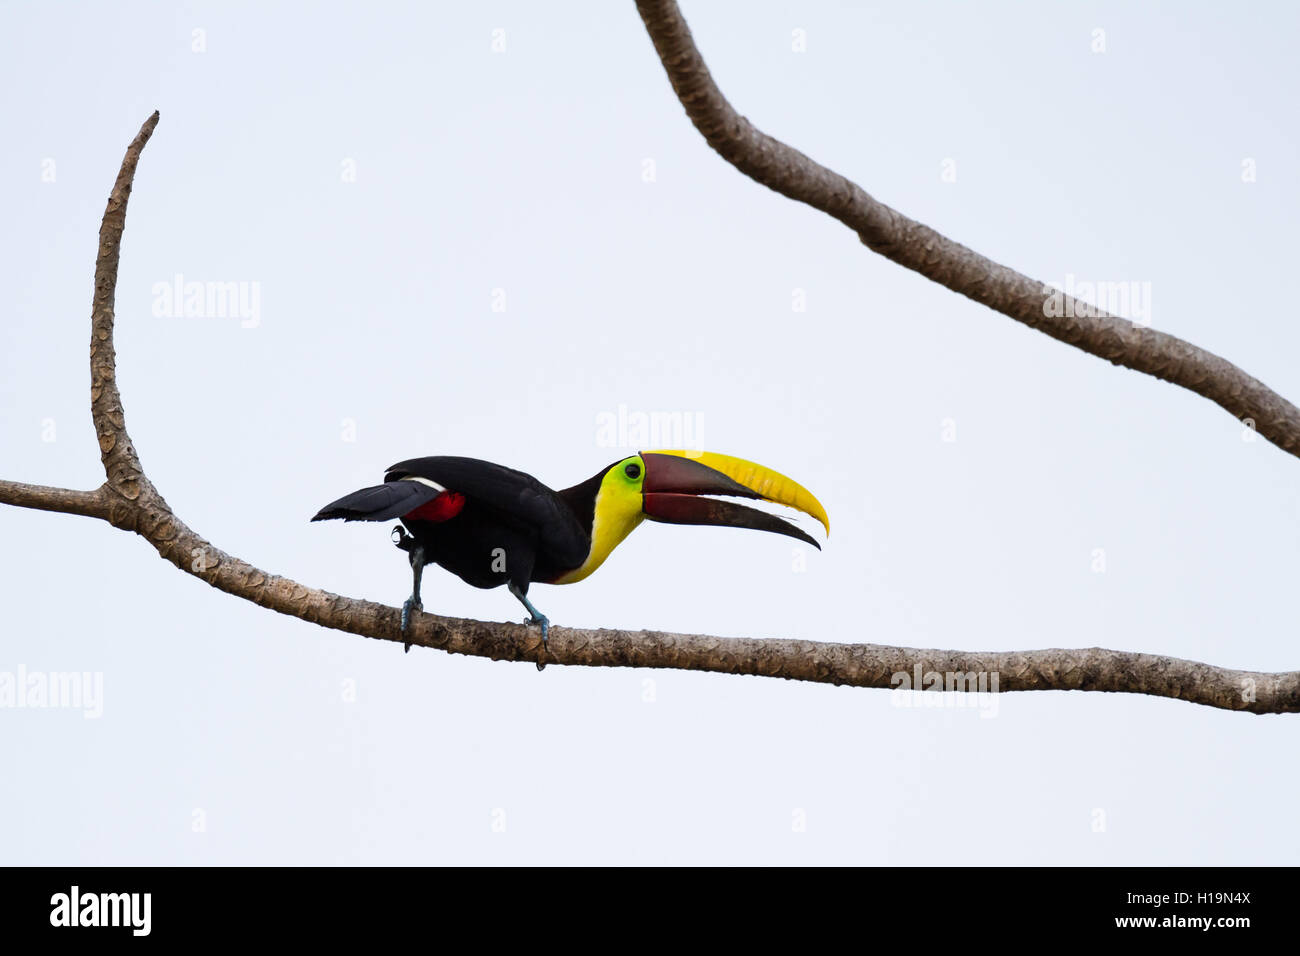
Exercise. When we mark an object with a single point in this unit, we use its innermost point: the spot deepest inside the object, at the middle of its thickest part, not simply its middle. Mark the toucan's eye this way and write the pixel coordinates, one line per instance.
(633, 471)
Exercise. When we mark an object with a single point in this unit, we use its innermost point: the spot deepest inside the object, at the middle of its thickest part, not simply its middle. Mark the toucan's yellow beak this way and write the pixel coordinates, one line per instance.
(674, 478)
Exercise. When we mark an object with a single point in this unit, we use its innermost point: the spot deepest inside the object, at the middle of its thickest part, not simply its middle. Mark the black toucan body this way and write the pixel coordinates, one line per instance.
(491, 525)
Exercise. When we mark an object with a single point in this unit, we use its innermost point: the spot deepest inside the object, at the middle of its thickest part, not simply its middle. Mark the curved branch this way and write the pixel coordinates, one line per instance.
(129, 500)
(919, 248)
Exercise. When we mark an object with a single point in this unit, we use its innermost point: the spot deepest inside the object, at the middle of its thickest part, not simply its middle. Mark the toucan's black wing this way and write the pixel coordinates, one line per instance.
(514, 494)
(378, 503)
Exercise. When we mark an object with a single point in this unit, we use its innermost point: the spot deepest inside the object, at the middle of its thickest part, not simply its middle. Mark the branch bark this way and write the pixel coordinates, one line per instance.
(128, 500)
(919, 248)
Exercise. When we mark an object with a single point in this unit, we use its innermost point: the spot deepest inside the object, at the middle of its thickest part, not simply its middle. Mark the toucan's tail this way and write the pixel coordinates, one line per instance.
(380, 503)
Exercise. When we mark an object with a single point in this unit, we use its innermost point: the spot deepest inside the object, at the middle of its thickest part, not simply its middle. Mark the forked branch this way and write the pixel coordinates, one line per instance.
(128, 500)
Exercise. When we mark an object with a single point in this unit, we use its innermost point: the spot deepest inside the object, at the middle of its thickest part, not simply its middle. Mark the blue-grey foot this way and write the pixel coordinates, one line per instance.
(411, 605)
(534, 617)
(417, 572)
(545, 622)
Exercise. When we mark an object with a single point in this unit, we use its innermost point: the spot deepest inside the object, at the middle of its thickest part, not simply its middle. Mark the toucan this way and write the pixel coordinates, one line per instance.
(491, 525)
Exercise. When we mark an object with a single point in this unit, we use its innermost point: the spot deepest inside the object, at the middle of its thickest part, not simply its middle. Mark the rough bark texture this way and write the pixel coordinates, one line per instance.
(918, 247)
(128, 500)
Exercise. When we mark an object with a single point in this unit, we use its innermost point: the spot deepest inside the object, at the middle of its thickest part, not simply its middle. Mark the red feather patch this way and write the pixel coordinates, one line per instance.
(442, 508)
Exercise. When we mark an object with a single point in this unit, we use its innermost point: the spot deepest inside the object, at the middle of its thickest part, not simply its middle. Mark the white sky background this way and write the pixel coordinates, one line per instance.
(522, 171)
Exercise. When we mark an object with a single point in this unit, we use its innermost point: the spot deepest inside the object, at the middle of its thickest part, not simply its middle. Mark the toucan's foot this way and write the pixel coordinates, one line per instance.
(545, 623)
(411, 606)
(416, 552)
(534, 617)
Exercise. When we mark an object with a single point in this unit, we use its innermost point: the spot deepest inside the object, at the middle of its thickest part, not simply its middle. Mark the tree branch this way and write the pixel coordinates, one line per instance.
(128, 500)
(89, 504)
(919, 248)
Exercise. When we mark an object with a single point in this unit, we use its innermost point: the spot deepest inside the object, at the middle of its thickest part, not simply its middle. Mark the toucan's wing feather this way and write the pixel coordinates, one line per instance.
(512, 493)
(379, 503)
